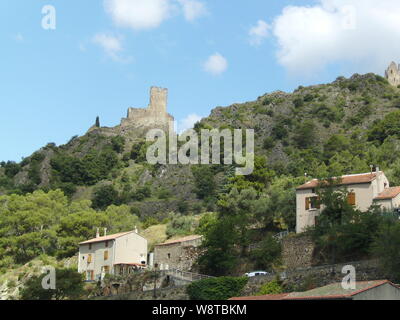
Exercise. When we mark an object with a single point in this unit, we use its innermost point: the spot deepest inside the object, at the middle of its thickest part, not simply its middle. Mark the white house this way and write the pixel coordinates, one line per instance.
(364, 190)
(120, 253)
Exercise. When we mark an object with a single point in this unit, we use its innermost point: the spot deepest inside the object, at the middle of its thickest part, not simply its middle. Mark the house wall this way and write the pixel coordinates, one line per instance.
(389, 204)
(396, 202)
(385, 204)
(179, 256)
(98, 261)
(383, 292)
(365, 193)
(131, 248)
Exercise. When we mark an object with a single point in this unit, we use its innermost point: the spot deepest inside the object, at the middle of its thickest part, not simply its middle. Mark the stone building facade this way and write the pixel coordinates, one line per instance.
(178, 253)
(392, 74)
(154, 116)
(364, 190)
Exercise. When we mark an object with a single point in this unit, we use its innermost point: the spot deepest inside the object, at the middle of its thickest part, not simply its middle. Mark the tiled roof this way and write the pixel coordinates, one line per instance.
(344, 180)
(336, 291)
(106, 238)
(331, 291)
(184, 239)
(265, 297)
(388, 193)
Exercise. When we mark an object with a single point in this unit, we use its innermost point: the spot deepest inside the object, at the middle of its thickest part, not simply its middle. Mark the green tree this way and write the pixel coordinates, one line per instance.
(305, 134)
(105, 196)
(118, 143)
(180, 225)
(205, 185)
(69, 286)
(226, 240)
(272, 287)
(386, 248)
(267, 254)
(221, 288)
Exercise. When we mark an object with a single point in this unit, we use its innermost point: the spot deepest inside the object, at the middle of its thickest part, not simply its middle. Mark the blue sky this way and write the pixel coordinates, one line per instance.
(103, 57)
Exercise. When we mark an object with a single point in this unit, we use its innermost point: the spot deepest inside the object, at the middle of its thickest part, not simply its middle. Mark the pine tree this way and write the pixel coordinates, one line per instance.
(97, 122)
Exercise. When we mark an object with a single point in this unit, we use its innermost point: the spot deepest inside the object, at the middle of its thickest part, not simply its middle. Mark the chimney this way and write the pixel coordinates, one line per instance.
(136, 230)
(377, 169)
(98, 233)
(105, 231)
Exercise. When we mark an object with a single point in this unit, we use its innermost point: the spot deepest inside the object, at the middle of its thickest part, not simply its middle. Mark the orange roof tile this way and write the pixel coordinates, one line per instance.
(106, 238)
(184, 239)
(345, 180)
(388, 193)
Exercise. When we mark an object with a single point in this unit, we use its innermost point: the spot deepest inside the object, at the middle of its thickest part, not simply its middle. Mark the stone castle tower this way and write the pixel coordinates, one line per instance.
(154, 116)
(392, 74)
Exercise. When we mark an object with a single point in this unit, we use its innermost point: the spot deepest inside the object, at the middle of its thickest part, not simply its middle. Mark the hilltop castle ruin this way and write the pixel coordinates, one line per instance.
(392, 74)
(140, 120)
(154, 116)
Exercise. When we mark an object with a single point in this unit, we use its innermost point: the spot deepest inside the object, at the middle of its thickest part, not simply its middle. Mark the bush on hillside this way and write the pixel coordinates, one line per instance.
(221, 288)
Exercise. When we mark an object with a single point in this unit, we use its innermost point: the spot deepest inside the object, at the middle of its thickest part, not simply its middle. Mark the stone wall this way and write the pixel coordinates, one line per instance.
(154, 116)
(297, 252)
(309, 278)
(392, 74)
(179, 256)
(178, 293)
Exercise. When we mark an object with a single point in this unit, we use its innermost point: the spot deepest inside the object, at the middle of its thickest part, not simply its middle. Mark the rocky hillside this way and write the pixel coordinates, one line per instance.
(317, 129)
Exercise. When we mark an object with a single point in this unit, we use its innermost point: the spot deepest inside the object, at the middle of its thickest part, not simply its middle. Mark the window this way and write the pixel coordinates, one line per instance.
(169, 256)
(106, 269)
(90, 246)
(106, 255)
(90, 275)
(89, 258)
(312, 203)
(106, 244)
(351, 199)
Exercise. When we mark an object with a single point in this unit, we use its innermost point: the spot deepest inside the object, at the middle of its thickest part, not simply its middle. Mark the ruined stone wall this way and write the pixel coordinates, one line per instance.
(178, 293)
(309, 278)
(297, 252)
(392, 74)
(179, 256)
(154, 116)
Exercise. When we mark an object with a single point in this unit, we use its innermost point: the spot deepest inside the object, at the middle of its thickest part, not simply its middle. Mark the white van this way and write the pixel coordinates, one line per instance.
(256, 273)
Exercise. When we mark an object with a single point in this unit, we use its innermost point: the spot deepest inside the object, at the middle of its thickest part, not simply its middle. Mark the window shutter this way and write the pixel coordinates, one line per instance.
(307, 203)
(106, 255)
(318, 203)
(351, 199)
(89, 260)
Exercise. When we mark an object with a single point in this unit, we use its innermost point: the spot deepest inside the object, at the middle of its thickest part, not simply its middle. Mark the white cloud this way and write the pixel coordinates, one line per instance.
(259, 32)
(112, 46)
(138, 14)
(216, 64)
(336, 31)
(150, 14)
(188, 122)
(193, 9)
